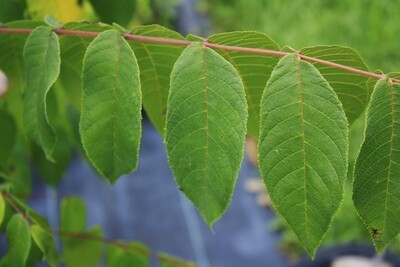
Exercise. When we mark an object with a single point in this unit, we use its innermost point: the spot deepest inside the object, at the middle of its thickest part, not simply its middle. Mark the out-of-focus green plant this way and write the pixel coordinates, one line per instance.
(370, 27)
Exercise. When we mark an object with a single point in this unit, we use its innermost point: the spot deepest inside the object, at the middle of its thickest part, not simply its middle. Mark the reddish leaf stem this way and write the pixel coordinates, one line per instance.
(175, 42)
(122, 244)
(8, 198)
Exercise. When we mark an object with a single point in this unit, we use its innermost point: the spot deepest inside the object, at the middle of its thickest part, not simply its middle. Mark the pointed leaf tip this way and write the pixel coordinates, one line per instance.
(110, 124)
(205, 129)
(376, 190)
(303, 148)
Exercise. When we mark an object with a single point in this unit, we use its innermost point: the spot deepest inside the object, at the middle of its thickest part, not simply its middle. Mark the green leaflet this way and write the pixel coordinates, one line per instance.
(351, 88)
(7, 137)
(133, 255)
(110, 124)
(19, 243)
(303, 148)
(205, 129)
(253, 69)
(156, 62)
(42, 66)
(376, 191)
(45, 241)
(52, 22)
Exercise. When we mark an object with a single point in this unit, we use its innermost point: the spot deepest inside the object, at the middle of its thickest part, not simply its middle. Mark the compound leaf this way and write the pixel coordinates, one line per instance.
(42, 67)
(351, 88)
(253, 69)
(206, 127)
(110, 124)
(376, 191)
(19, 243)
(303, 148)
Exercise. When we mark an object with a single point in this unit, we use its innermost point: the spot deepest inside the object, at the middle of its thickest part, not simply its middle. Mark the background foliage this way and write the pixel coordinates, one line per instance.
(370, 27)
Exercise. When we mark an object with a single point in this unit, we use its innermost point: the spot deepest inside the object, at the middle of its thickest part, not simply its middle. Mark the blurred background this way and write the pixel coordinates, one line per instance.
(147, 206)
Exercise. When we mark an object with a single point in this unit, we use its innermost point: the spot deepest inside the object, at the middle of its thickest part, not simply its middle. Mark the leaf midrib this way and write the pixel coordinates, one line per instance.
(391, 90)
(203, 49)
(114, 100)
(41, 83)
(301, 104)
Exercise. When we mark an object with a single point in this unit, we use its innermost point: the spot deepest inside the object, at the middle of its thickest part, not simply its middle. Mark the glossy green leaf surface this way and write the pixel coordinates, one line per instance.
(42, 67)
(110, 124)
(132, 255)
(254, 69)
(205, 130)
(303, 148)
(46, 242)
(19, 243)
(156, 62)
(376, 191)
(351, 88)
